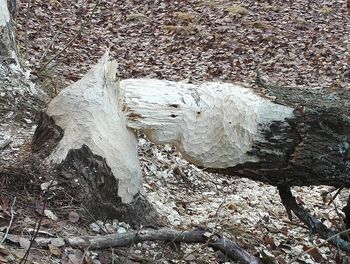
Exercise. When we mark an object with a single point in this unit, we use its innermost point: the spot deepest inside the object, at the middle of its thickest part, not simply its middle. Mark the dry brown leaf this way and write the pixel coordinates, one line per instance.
(314, 253)
(73, 216)
(270, 241)
(54, 250)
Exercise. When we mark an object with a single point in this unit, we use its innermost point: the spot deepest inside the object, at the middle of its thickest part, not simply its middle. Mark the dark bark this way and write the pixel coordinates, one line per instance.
(312, 148)
(346, 211)
(97, 188)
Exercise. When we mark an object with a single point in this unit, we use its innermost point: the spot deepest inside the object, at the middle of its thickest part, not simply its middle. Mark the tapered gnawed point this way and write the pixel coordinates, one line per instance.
(212, 124)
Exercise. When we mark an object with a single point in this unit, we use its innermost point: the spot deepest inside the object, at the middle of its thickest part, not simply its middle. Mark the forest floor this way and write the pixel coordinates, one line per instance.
(300, 43)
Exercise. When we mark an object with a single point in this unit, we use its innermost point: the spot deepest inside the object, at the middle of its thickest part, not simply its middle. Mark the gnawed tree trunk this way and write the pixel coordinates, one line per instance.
(84, 139)
(299, 138)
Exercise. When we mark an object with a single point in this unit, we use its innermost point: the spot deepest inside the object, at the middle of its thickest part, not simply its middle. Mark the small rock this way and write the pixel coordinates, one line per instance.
(73, 217)
(46, 185)
(95, 227)
(190, 257)
(57, 242)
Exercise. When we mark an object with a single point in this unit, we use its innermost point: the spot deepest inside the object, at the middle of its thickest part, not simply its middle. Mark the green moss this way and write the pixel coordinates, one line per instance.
(184, 16)
(179, 29)
(260, 25)
(237, 9)
(325, 10)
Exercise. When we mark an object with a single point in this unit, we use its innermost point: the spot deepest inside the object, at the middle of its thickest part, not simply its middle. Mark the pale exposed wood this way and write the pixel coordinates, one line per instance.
(88, 112)
(4, 13)
(213, 125)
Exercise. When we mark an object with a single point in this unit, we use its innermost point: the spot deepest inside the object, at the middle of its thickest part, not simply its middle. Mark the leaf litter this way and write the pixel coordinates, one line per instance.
(300, 43)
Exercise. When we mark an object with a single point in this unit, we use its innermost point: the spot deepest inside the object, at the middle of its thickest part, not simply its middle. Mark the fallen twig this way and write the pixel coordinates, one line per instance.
(52, 41)
(335, 195)
(215, 241)
(314, 224)
(228, 247)
(10, 223)
(25, 257)
(318, 245)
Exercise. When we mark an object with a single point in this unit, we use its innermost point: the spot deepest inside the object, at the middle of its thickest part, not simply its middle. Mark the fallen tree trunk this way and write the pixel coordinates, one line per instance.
(296, 139)
(299, 138)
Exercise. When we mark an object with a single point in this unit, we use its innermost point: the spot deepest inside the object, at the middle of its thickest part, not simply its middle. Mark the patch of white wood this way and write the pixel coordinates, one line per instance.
(4, 13)
(88, 111)
(212, 124)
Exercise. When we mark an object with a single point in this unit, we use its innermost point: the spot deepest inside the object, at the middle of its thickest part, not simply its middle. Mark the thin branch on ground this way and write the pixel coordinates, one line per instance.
(318, 245)
(83, 257)
(215, 241)
(70, 42)
(313, 224)
(5, 144)
(26, 255)
(335, 195)
(12, 212)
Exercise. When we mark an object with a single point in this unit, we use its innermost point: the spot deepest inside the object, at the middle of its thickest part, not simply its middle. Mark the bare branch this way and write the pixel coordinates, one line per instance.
(43, 67)
(215, 241)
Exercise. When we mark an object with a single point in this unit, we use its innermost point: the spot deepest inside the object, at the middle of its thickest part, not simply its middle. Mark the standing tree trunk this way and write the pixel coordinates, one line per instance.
(79, 150)
(19, 100)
